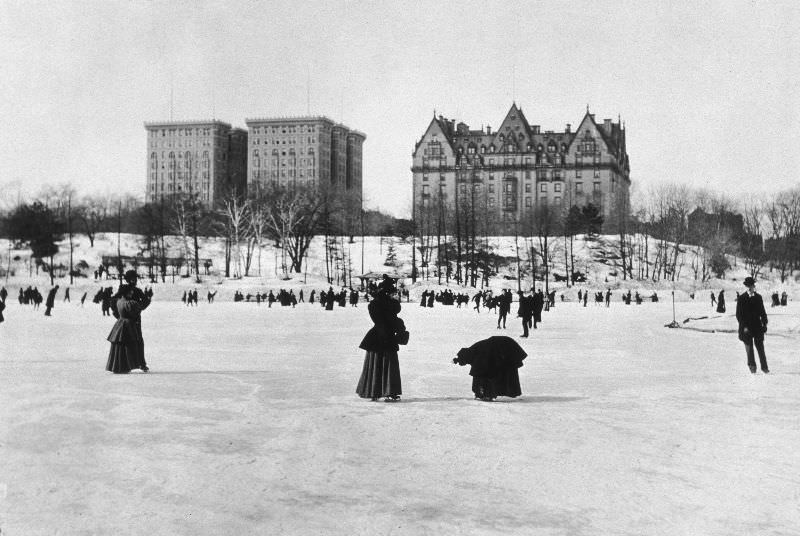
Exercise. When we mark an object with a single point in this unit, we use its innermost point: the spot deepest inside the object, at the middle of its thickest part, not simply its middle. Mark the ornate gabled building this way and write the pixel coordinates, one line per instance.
(518, 171)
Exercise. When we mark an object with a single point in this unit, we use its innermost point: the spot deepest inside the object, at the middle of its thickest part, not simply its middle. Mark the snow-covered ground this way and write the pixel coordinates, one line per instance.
(249, 424)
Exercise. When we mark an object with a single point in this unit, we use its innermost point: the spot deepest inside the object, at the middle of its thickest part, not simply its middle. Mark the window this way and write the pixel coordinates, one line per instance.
(596, 173)
(442, 178)
(578, 173)
(543, 187)
(578, 187)
(557, 187)
(462, 188)
(425, 190)
(613, 184)
(596, 187)
(424, 178)
(491, 188)
(528, 202)
(557, 200)
(491, 201)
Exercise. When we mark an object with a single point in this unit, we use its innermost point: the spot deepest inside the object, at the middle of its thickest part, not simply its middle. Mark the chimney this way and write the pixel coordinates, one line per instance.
(568, 129)
(607, 125)
(535, 129)
(488, 129)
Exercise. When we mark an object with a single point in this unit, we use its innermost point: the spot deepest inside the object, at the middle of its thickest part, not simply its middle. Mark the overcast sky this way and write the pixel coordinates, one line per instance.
(708, 91)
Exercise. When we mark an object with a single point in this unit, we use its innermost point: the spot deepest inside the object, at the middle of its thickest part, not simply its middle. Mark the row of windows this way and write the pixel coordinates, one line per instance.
(182, 132)
(292, 162)
(286, 141)
(285, 129)
(172, 176)
(257, 174)
(275, 152)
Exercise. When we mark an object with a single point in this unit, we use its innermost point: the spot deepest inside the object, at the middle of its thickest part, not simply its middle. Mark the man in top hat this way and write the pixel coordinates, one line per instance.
(752, 318)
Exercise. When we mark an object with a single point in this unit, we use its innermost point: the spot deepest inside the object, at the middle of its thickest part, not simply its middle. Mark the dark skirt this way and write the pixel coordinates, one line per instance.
(123, 358)
(380, 376)
(506, 383)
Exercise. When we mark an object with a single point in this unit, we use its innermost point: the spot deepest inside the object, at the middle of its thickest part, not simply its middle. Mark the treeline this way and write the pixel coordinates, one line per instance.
(287, 216)
(670, 231)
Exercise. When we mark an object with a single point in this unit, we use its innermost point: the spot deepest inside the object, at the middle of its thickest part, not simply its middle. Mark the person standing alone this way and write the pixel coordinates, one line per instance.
(752, 318)
(51, 300)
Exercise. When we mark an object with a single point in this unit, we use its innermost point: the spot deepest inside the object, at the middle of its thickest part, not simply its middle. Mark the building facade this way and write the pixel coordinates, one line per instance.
(314, 151)
(203, 158)
(518, 172)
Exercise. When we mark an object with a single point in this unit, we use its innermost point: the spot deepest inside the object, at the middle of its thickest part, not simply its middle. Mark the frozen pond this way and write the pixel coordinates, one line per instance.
(249, 424)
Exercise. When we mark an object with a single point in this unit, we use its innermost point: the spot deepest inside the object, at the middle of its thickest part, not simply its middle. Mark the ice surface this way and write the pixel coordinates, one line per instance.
(249, 424)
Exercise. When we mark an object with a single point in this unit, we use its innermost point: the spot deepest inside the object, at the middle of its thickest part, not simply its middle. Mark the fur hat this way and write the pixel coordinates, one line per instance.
(749, 281)
(131, 276)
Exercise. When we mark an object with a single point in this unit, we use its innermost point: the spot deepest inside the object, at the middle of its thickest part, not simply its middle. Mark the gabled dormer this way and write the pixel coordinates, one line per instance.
(436, 143)
(514, 132)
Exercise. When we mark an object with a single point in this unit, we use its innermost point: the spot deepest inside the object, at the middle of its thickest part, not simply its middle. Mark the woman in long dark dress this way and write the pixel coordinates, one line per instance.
(494, 364)
(380, 375)
(127, 344)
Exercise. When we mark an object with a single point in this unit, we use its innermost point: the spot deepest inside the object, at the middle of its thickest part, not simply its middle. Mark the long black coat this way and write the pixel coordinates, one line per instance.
(383, 311)
(489, 357)
(538, 305)
(751, 314)
(525, 307)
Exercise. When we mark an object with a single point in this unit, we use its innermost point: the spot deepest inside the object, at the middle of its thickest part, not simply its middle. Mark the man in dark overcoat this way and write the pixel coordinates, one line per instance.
(537, 301)
(51, 300)
(525, 312)
(752, 318)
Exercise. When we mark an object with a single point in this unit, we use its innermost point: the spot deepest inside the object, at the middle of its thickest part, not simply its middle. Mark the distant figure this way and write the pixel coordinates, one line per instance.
(66, 295)
(2, 308)
(537, 302)
(721, 301)
(752, 320)
(311, 296)
(210, 296)
(525, 312)
(51, 300)
(83, 298)
(585, 298)
(713, 300)
(3, 294)
(300, 296)
(784, 299)
(608, 298)
(776, 299)
(184, 298)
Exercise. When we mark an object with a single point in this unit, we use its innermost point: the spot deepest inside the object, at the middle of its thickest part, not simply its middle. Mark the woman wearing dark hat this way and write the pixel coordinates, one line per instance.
(752, 318)
(380, 375)
(127, 344)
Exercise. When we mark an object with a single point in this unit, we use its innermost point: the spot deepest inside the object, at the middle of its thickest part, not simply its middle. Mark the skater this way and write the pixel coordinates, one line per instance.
(608, 298)
(66, 295)
(477, 300)
(51, 300)
(2, 307)
(300, 296)
(83, 298)
(504, 307)
(713, 300)
(537, 301)
(3, 294)
(721, 301)
(380, 375)
(783, 299)
(494, 364)
(127, 344)
(752, 320)
(525, 312)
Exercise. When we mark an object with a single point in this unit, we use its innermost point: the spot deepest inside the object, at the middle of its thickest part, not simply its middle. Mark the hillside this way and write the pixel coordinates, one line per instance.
(596, 257)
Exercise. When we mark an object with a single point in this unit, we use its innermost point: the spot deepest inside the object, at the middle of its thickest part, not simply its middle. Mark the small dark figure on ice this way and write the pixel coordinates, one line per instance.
(51, 300)
(721, 301)
(494, 364)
